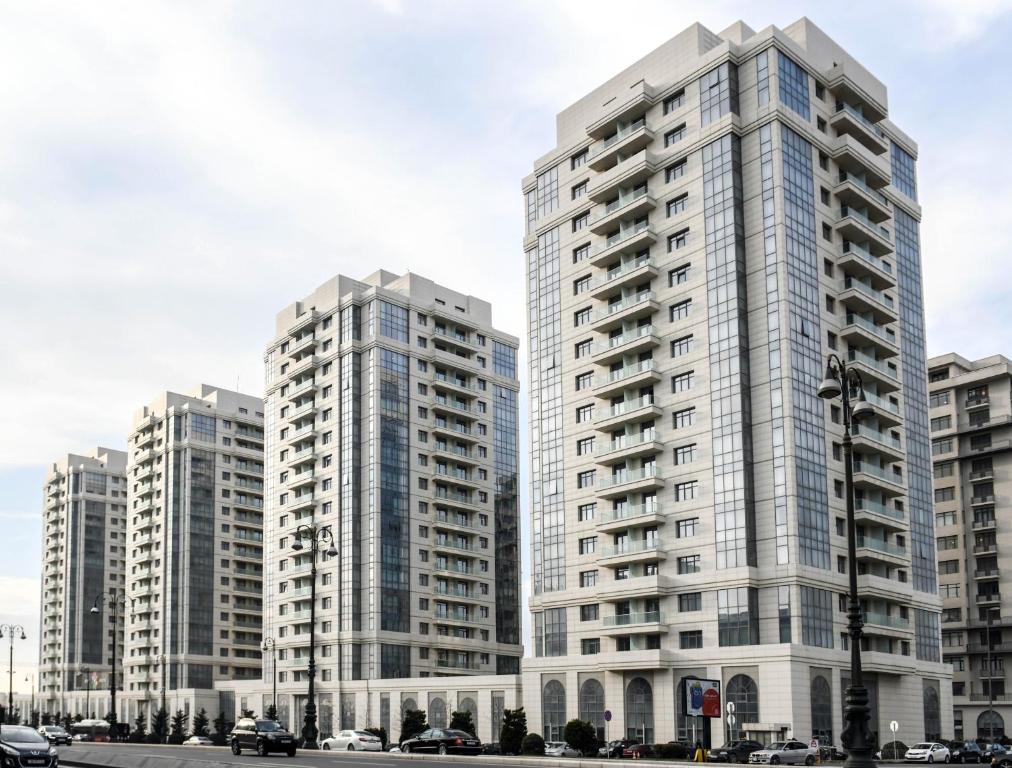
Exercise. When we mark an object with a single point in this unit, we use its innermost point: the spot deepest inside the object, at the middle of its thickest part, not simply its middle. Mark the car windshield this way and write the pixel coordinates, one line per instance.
(268, 726)
(462, 734)
(21, 734)
(362, 733)
(776, 745)
(921, 746)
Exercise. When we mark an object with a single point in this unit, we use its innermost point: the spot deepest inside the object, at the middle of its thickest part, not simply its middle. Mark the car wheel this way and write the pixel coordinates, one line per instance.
(235, 748)
(775, 760)
(261, 749)
(291, 752)
(326, 746)
(351, 747)
(810, 760)
(931, 758)
(442, 749)
(406, 749)
(947, 758)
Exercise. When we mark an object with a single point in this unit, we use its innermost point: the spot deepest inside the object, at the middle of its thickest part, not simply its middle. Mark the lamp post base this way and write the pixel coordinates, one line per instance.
(309, 730)
(856, 738)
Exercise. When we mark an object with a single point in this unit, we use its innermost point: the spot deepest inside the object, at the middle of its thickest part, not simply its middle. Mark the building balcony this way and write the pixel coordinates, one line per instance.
(634, 623)
(145, 439)
(986, 548)
(458, 384)
(886, 620)
(987, 524)
(302, 389)
(629, 481)
(454, 431)
(445, 521)
(977, 647)
(301, 456)
(618, 590)
(452, 407)
(869, 548)
(858, 261)
(630, 516)
(454, 453)
(639, 98)
(306, 410)
(628, 173)
(629, 446)
(630, 205)
(978, 450)
(852, 191)
(457, 617)
(456, 476)
(885, 377)
(634, 307)
(980, 401)
(629, 412)
(630, 376)
(457, 664)
(628, 274)
(982, 500)
(869, 476)
(863, 333)
(626, 141)
(886, 411)
(848, 120)
(631, 239)
(870, 585)
(304, 365)
(990, 598)
(303, 322)
(302, 347)
(302, 479)
(855, 226)
(869, 440)
(860, 297)
(880, 514)
(633, 342)
(986, 574)
(632, 552)
(855, 158)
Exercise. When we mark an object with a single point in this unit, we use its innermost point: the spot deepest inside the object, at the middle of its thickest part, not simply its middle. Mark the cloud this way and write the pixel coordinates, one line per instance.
(951, 25)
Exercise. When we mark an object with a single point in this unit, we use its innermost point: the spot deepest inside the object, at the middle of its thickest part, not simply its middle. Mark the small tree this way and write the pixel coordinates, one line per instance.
(581, 735)
(36, 718)
(68, 721)
(412, 723)
(159, 726)
(78, 718)
(533, 744)
(113, 729)
(47, 719)
(220, 730)
(178, 730)
(380, 732)
(140, 729)
(271, 713)
(514, 728)
(200, 723)
(248, 713)
(461, 721)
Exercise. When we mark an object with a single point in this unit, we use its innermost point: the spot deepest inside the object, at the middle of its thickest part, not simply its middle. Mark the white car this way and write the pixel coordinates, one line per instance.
(354, 741)
(928, 752)
(198, 741)
(560, 749)
(786, 753)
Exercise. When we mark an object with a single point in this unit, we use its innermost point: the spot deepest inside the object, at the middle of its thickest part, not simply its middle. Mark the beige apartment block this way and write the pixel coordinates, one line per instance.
(195, 546)
(391, 423)
(83, 554)
(971, 446)
(714, 221)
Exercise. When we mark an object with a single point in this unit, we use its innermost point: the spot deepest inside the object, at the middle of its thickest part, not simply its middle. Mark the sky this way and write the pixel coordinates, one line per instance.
(173, 174)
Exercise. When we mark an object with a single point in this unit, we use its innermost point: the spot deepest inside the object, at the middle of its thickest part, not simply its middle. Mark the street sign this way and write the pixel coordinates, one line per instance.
(607, 715)
(814, 743)
(730, 707)
(894, 726)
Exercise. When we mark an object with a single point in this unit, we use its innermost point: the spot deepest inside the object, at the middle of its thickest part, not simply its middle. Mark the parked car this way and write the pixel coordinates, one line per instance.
(616, 747)
(492, 748)
(829, 752)
(893, 750)
(965, 752)
(265, 736)
(198, 741)
(353, 741)
(55, 734)
(638, 750)
(443, 741)
(998, 755)
(786, 752)
(735, 751)
(928, 752)
(560, 749)
(22, 745)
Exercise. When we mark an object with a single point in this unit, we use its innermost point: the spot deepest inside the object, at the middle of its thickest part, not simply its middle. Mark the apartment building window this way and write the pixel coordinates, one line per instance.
(675, 135)
(949, 590)
(581, 285)
(581, 253)
(683, 418)
(585, 479)
(675, 171)
(680, 310)
(581, 222)
(691, 639)
(590, 646)
(816, 617)
(678, 205)
(584, 414)
(687, 528)
(688, 564)
(581, 317)
(586, 512)
(584, 381)
(945, 494)
(946, 567)
(941, 422)
(938, 399)
(682, 382)
(579, 190)
(588, 578)
(685, 454)
(678, 240)
(588, 545)
(943, 519)
(674, 101)
(690, 601)
(582, 349)
(681, 346)
(679, 275)
(578, 159)
(941, 446)
(686, 491)
(738, 616)
(589, 612)
(585, 446)
(943, 469)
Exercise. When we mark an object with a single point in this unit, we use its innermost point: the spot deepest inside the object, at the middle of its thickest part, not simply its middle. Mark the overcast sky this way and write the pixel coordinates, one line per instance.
(173, 174)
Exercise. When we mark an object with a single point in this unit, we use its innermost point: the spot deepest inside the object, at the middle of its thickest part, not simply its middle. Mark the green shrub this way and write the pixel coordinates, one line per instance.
(533, 744)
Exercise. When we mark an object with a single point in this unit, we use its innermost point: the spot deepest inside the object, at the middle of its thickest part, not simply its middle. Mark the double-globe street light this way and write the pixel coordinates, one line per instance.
(856, 738)
(113, 602)
(316, 536)
(269, 645)
(14, 632)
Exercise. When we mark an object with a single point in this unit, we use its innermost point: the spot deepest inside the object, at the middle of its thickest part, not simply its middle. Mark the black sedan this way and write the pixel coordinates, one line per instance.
(965, 752)
(735, 751)
(24, 746)
(616, 748)
(55, 734)
(443, 741)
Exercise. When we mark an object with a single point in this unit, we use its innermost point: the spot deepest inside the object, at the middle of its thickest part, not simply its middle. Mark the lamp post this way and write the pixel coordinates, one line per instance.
(13, 631)
(315, 535)
(990, 678)
(31, 712)
(113, 602)
(269, 645)
(86, 671)
(856, 739)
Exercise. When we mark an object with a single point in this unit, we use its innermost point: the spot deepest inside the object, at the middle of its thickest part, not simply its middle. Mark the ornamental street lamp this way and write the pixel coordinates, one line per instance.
(113, 602)
(316, 536)
(990, 673)
(841, 382)
(31, 712)
(269, 645)
(14, 632)
(86, 671)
